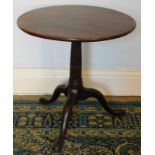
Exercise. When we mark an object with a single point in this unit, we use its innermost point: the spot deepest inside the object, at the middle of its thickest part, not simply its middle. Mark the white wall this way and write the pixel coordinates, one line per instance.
(113, 66)
(32, 52)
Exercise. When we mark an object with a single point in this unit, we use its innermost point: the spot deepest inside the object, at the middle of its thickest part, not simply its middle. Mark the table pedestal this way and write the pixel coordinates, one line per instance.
(75, 91)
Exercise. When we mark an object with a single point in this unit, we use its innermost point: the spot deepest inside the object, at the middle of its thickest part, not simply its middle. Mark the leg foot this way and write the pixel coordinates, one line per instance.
(71, 99)
(59, 89)
(90, 92)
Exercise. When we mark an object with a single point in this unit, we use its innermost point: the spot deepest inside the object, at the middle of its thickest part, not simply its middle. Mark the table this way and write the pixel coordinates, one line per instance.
(76, 24)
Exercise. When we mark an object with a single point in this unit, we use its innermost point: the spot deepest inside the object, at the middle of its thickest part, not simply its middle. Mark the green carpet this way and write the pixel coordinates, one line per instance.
(91, 130)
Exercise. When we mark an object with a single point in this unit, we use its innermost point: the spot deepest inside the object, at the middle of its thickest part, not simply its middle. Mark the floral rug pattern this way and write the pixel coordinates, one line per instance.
(91, 130)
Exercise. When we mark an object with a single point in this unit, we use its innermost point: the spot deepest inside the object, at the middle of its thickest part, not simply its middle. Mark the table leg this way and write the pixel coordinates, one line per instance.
(71, 99)
(59, 89)
(90, 92)
(74, 92)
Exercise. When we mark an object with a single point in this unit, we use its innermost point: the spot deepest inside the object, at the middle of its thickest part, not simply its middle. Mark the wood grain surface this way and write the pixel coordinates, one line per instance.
(76, 23)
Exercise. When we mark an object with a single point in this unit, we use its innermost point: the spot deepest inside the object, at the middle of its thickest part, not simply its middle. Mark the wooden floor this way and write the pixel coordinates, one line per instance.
(108, 98)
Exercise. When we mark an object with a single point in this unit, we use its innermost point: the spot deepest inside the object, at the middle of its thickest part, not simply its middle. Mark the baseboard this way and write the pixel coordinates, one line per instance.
(116, 82)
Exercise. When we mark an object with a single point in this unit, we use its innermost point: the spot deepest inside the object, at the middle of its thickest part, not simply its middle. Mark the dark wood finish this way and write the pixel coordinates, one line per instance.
(76, 23)
(71, 99)
(60, 89)
(75, 91)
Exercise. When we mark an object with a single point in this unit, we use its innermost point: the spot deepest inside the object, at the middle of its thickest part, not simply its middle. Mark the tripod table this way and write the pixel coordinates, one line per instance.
(76, 24)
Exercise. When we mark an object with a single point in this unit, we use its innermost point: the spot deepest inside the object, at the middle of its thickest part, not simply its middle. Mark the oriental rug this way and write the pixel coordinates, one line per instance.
(91, 130)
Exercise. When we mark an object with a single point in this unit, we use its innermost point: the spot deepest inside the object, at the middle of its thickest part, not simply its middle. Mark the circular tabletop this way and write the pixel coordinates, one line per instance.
(76, 23)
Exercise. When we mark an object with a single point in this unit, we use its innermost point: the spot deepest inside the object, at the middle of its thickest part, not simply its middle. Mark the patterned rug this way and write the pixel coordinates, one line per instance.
(91, 130)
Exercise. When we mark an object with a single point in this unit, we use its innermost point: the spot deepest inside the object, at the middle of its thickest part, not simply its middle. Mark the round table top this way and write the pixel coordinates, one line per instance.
(76, 23)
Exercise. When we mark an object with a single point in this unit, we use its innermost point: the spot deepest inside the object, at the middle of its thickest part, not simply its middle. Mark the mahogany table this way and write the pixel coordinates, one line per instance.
(76, 24)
